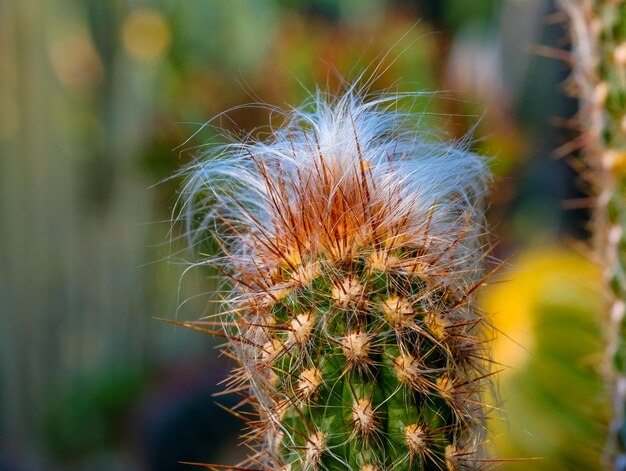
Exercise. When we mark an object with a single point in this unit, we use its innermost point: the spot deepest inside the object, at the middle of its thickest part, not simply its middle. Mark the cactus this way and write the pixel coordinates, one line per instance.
(354, 247)
(598, 29)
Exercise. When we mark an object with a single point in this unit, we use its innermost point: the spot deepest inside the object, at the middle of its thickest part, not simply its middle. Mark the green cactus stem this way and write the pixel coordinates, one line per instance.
(354, 247)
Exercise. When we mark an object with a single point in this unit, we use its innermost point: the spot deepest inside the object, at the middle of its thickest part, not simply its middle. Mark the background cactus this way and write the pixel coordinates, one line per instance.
(353, 243)
(599, 76)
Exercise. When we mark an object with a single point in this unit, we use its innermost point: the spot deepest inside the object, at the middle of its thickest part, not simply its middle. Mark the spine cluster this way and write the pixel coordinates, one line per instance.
(598, 29)
(354, 249)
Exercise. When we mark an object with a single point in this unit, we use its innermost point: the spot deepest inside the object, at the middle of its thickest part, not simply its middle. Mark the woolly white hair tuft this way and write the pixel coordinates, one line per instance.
(227, 184)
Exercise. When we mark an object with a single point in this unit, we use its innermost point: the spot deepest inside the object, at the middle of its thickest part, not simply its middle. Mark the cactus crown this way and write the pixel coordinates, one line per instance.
(354, 249)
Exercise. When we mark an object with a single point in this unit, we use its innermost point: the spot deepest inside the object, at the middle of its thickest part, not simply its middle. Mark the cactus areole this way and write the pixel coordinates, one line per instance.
(354, 246)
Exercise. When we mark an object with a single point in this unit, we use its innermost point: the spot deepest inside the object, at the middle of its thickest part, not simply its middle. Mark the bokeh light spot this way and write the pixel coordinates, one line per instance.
(75, 61)
(146, 35)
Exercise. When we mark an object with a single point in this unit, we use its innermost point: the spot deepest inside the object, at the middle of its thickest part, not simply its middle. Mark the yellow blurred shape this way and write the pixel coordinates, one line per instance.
(75, 61)
(146, 35)
(541, 274)
(547, 311)
(615, 160)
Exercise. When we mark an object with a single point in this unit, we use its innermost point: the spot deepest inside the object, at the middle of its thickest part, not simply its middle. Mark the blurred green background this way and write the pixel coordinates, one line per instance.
(102, 100)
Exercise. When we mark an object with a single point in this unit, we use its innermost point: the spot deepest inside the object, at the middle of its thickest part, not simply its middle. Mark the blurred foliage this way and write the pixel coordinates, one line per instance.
(91, 416)
(459, 14)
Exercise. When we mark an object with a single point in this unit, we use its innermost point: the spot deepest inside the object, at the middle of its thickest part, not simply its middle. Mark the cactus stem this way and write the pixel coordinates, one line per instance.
(354, 248)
